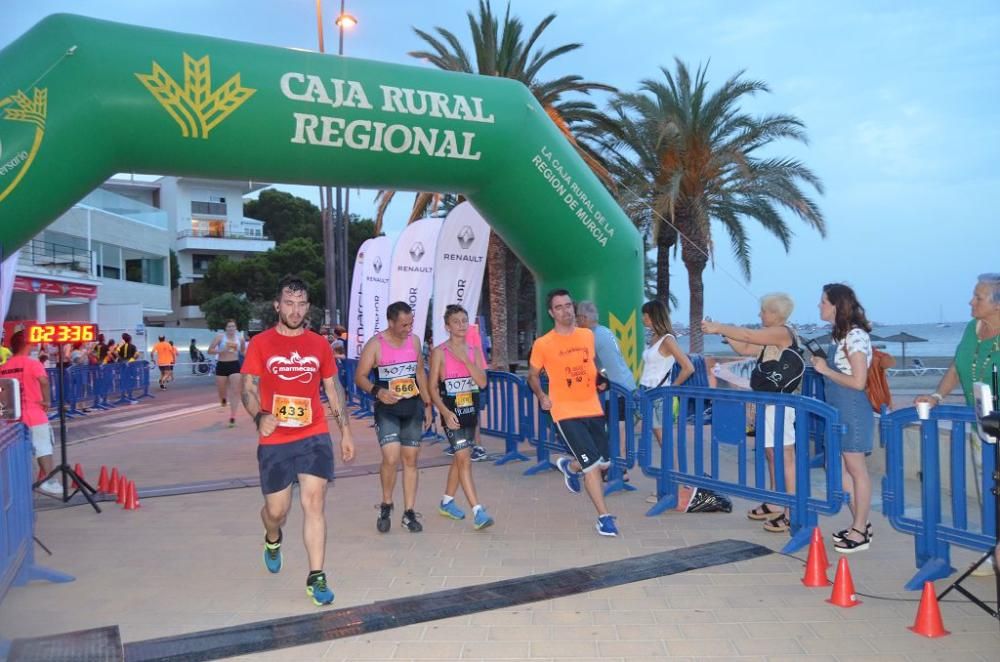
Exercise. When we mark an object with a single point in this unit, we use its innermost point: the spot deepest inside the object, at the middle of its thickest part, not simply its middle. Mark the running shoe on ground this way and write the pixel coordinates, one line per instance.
(410, 522)
(479, 454)
(483, 519)
(272, 554)
(232, 422)
(571, 478)
(317, 589)
(449, 451)
(606, 525)
(52, 487)
(451, 510)
(384, 514)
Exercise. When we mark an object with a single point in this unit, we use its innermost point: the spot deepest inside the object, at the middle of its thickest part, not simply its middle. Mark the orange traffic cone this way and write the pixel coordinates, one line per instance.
(132, 500)
(929, 623)
(113, 481)
(122, 490)
(103, 481)
(843, 586)
(78, 470)
(816, 564)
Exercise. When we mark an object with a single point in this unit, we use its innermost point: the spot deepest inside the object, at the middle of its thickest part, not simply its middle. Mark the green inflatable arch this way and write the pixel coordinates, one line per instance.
(82, 99)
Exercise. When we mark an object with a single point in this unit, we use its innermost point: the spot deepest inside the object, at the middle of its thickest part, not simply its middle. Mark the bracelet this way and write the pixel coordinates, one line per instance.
(374, 390)
(937, 396)
(256, 419)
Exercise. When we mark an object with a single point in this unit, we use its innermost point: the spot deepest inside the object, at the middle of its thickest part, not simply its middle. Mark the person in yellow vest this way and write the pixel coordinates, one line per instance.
(4, 354)
(125, 350)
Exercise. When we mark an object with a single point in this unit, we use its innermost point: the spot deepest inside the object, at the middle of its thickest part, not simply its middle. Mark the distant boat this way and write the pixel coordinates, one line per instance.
(941, 323)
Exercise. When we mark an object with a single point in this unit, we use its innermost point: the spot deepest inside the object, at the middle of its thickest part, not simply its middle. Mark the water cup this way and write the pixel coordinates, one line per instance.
(923, 410)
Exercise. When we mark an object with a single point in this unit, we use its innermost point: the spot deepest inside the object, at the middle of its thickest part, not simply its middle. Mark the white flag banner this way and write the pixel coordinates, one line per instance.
(375, 288)
(7, 269)
(412, 276)
(355, 322)
(460, 264)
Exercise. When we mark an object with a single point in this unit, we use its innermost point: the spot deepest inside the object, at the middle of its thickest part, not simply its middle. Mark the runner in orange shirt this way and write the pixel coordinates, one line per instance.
(165, 358)
(566, 354)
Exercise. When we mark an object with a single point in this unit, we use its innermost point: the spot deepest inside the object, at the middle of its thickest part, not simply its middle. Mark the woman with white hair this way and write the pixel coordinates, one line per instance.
(979, 349)
(767, 344)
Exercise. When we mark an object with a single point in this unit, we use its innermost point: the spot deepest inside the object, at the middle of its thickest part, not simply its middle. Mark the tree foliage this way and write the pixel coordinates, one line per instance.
(224, 307)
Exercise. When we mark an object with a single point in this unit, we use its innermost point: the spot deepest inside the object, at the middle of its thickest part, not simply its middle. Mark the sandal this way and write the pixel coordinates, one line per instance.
(762, 512)
(840, 535)
(848, 546)
(779, 524)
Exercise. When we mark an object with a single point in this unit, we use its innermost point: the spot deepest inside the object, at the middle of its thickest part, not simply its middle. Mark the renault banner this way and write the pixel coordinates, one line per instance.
(460, 264)
(355, 321)
(412, 276)
(375, 285)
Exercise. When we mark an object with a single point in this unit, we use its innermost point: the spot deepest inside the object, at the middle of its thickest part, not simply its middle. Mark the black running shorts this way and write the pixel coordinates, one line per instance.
(281, 464)
(587, 439)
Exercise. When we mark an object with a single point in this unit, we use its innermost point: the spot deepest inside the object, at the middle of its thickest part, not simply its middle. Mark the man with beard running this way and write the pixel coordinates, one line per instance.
(567, 355)
(281, 376)
(399, 388)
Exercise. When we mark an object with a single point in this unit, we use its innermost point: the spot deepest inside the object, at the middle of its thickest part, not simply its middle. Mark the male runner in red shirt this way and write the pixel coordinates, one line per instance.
(281, 376)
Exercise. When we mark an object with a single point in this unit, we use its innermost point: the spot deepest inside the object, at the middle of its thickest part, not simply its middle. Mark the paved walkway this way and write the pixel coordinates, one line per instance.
(188, 563)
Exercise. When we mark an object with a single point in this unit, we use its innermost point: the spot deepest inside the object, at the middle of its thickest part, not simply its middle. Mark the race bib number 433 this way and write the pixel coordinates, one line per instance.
(291, 411)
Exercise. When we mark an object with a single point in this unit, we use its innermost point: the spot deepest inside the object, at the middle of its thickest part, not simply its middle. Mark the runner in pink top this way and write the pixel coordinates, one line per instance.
(399, 386)
(458, 372)
(34, 381)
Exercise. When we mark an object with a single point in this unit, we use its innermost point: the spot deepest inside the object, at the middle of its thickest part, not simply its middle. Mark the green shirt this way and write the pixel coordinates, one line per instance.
(975, 355)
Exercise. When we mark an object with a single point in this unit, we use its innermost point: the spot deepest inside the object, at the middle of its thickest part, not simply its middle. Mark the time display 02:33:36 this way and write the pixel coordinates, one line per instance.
(62, 332)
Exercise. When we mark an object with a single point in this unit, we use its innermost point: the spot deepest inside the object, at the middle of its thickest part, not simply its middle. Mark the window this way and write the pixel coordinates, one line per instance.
(201, 263)
(144, 268)
(109, 261)
(210, 208)
(192, 294)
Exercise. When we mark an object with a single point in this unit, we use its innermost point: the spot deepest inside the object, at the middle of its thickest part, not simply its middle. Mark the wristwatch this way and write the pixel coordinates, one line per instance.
(256, 419)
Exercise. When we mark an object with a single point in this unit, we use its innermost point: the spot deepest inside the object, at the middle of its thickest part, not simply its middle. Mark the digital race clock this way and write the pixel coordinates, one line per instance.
(62, 332)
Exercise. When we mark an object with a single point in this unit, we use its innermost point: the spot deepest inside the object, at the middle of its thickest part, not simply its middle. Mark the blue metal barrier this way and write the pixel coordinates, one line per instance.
(137, 379)
(813, 386)
(17, 515)
(540, 431)
(355, 397)
(621, 407)
(687, 435)
(933, 531)
(504, 393)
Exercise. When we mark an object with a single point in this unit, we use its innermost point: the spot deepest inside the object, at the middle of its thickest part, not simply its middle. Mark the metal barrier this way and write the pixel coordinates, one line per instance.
(621, 407)
(933, 531)
(813, 386)
(355, 397)
(17, 515)
(502, 409)
(98, 387)
(687, 434)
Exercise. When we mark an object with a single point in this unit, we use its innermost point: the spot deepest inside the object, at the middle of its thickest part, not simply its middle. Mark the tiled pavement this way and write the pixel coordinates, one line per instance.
(188, 563)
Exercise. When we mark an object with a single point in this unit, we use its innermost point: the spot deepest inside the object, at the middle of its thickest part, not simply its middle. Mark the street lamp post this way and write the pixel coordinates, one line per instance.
(344, 20)
(330, 254)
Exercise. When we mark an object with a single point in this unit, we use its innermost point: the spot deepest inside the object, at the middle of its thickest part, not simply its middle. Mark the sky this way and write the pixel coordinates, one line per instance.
(895, 97)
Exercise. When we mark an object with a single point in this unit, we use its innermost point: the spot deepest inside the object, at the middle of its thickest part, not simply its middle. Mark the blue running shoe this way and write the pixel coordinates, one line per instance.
(483, 519)
(317, 589)
(272, 554)
(479, 454)
(450, 451)
(451, 510)
(606, 525)
(571, 478)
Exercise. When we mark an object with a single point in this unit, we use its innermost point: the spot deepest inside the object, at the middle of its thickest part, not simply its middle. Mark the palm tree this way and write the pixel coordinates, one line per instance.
(692, 157)
(500, 49)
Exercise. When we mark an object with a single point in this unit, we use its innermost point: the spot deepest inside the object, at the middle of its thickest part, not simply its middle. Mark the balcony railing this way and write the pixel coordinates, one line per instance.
(127, 207)
(211, 234)
(38, 253)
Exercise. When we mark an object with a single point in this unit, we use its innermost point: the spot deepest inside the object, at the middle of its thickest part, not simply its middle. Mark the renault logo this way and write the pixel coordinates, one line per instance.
(466, 237)
(377, 264)
(417, 251)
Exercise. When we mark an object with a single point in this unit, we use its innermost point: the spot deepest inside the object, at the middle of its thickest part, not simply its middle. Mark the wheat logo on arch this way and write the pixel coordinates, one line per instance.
(195, 107)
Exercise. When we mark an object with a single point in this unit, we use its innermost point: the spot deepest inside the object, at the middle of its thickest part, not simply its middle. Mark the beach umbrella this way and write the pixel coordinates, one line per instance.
(903, 337)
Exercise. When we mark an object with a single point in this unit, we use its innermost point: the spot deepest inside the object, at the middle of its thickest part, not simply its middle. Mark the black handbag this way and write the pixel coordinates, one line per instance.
(783, 374)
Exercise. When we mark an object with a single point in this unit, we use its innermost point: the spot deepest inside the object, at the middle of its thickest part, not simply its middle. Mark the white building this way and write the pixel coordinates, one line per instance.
(108, 258)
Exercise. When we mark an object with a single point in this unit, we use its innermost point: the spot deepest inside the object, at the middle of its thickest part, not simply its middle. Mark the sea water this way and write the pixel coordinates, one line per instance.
(941, 339)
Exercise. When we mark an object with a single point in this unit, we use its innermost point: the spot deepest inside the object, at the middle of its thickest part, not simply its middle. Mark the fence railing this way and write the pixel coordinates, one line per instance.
(942, 517)
(98, 386)
(17, 515)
